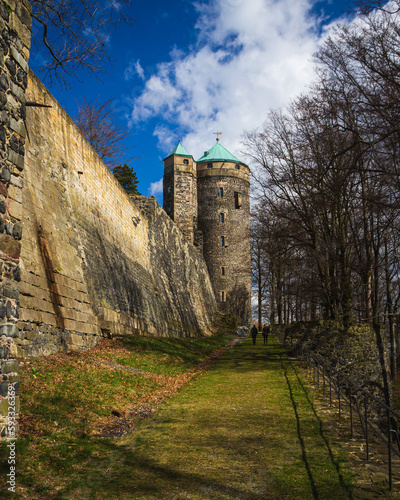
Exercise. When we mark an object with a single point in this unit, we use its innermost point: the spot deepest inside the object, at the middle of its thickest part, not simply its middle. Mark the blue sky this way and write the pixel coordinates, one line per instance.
(186, 70)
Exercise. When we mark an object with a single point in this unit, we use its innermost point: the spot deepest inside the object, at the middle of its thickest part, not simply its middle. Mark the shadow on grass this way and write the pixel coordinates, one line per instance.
(189, 351)
(299, 435)
(247, 357)
(148, 478)
(321, 433)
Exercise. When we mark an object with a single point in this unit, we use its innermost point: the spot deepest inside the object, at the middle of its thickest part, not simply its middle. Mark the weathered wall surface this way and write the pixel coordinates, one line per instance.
(92, 263)
(15, 25)
(229, 265)
(180, 193)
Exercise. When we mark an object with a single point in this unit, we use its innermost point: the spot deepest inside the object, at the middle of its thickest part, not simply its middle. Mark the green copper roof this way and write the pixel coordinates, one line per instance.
(179, 150)
(218, 153)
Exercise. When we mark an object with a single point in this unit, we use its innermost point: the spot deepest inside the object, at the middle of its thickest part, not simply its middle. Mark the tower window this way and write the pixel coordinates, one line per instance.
(186, 162)
(238, 199)
(222, 271)
(222, 217)
(221, 192)
(237, 167)
(222, 241)
(223, 296)
(209, 165)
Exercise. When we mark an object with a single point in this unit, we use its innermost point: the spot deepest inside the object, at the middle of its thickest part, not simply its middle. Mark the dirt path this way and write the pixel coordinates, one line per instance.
(245, 429)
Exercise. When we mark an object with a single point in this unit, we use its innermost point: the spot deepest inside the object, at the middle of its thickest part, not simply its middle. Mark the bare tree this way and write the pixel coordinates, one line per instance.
(328, 168)
(259, 261)
(72, 35)
(98, 124)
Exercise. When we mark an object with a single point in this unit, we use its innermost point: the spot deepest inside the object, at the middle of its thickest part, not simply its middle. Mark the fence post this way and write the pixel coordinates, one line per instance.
(366, 424)
(389, 450)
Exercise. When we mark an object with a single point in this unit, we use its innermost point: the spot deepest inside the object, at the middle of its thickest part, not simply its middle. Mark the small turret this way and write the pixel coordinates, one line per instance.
(180, 190)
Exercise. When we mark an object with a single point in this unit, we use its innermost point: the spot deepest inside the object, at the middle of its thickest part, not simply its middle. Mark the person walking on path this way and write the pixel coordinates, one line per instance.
(254, 332)
(265, 332)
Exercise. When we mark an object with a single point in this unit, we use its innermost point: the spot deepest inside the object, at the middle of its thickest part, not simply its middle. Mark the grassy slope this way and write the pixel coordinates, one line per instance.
(244, 429)
(65, 398)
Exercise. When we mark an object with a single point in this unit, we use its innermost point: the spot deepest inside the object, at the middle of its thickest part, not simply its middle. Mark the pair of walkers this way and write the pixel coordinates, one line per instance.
(265, 333)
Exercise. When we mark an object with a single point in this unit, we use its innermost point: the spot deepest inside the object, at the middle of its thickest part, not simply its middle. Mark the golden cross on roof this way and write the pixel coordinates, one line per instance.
(217, 134)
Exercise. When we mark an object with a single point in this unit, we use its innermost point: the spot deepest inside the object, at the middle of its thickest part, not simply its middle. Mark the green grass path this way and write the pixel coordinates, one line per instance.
(245, 429)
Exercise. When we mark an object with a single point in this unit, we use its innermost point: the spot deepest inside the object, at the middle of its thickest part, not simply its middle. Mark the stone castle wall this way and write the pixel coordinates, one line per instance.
(95, 262)
(15, 26)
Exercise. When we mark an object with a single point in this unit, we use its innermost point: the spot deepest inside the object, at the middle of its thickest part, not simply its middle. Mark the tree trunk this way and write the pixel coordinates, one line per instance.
(389, 304)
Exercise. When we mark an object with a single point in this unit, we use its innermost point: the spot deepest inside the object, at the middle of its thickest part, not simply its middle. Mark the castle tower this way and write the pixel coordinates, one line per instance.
(223, 185)
(180, 190)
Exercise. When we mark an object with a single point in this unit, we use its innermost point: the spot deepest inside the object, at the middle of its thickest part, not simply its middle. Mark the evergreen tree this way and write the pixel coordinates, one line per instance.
(127, 178)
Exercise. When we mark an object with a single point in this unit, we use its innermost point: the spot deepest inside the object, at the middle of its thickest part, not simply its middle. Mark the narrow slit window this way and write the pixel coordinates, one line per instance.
(238, 199)
(223, 296)
(221, 192)
(223, 271)
(222, 217)
(222, 241)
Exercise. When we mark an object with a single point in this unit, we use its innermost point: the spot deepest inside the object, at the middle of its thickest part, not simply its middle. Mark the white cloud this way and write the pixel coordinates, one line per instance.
(156, 188)
(165, 137)
(139, 70)
(250, 56)
(134, 68)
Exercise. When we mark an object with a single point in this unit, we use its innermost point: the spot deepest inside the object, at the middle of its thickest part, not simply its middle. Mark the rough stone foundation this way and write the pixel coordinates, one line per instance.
(15, 26)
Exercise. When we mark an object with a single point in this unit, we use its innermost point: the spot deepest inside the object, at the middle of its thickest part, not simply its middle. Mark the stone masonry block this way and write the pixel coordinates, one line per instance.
(80, 306)
(17, 181)
(11, 331)
(9, 366)
(15, 209)
(24, 13)
(38, 304)
(82, 327)
(26, 289)
(76, 339)
(21, 30)
(18, 126)
(77, 315)
(18, 92)
(12, 103)
(15, 193)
